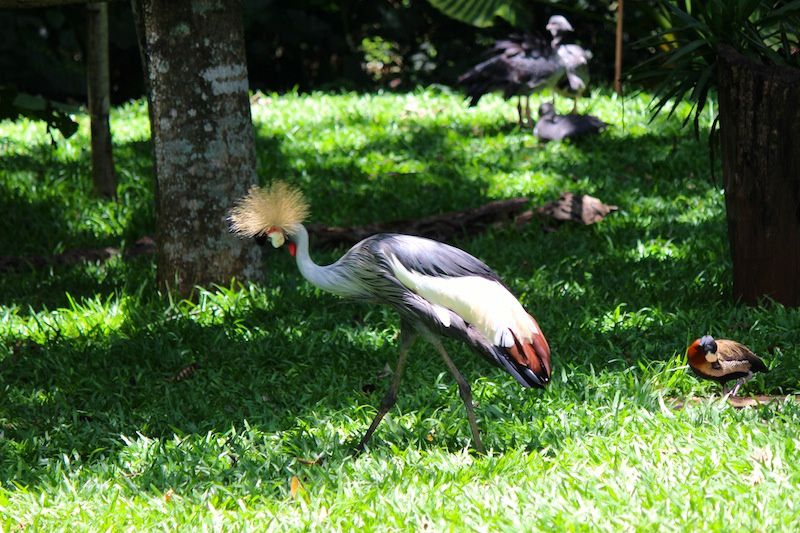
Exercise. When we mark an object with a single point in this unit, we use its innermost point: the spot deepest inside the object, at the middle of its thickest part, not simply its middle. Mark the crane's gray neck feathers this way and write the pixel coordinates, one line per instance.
(328, 278)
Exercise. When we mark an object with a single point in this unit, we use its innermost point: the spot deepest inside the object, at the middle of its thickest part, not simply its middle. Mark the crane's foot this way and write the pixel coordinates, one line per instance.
(465, 392)
(387, 403)
(406, 340)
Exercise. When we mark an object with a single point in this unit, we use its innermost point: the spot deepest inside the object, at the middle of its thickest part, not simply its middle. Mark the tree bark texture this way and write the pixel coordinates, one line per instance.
(104, 177)
(203, 140)
(759, 110)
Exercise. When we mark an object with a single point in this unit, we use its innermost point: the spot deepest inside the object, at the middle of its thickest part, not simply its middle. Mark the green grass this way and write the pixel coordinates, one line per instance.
(95, 435)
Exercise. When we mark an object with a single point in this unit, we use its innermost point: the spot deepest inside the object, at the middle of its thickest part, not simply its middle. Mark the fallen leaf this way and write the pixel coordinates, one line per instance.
(294, 486)
(577, 208)
(168, 495)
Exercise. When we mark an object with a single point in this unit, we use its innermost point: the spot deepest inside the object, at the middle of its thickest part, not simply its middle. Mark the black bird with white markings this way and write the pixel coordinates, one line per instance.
(554, 127)
(437, 289)
(724, 360)
(521, 66)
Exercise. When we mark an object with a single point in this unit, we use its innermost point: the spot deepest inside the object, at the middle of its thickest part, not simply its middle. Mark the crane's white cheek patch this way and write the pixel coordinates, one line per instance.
(277, 239)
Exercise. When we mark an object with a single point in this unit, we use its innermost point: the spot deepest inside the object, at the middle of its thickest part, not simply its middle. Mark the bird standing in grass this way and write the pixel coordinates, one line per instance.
(437, 289)
(524, 65)
(724, 360)
(554, 127)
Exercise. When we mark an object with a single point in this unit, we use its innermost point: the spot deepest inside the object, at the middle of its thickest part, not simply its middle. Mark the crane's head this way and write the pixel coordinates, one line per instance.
(273, 212)
(557, 25)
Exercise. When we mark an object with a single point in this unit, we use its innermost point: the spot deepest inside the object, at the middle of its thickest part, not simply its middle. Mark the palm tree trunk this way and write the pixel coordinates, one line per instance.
(759, 111)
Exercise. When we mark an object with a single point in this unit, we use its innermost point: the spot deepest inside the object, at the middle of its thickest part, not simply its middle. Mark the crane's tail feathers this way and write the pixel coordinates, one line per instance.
(528, 360)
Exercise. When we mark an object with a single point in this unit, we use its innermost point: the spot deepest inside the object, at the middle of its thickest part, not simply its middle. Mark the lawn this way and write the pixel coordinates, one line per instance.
(122, 408)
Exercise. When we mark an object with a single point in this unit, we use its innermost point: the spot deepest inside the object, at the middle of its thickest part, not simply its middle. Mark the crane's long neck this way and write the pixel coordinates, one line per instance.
(328, 278)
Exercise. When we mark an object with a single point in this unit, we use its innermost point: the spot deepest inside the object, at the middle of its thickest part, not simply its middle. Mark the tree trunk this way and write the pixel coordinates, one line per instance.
(104, 178)
(203, 140)
(759, 110)
(618, 50)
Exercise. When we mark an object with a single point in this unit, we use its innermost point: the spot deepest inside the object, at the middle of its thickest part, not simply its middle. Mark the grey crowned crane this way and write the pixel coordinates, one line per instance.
(438, 290)
(521, 66)
(554, 127)
(722, 361)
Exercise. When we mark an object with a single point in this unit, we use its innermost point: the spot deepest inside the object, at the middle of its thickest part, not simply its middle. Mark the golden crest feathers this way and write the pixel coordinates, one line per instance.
(280, 206)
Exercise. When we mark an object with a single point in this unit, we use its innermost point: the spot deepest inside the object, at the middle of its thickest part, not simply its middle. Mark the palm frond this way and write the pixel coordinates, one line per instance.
(685, 50)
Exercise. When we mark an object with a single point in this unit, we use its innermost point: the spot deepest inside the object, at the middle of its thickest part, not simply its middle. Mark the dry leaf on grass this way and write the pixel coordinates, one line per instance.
(577, 208)
(185, 372)
(296, 488)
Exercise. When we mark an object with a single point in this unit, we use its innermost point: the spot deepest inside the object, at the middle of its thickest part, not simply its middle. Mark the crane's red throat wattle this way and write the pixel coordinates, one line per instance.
(292, 247)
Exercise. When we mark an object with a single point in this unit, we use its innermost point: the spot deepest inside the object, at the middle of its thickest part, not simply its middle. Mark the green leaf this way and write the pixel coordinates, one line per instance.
(764, 30)
(482, 13)
(683, 51)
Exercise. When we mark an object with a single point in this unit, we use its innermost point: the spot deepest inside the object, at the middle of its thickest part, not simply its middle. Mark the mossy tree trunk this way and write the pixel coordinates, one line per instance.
(759, 109)
(203, 138)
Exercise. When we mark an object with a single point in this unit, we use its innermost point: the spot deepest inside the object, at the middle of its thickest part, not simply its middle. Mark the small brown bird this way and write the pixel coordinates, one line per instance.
(724, 360)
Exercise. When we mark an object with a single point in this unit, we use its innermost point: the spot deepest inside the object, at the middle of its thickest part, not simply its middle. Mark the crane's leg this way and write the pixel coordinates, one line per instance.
(407, 337)
(463, 390)
(519, 111)
(574, 104)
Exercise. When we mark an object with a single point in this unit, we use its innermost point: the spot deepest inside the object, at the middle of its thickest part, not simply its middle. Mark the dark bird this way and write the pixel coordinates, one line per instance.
(724, 360)
(554, 127)
(438, 290)
(521, 66)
